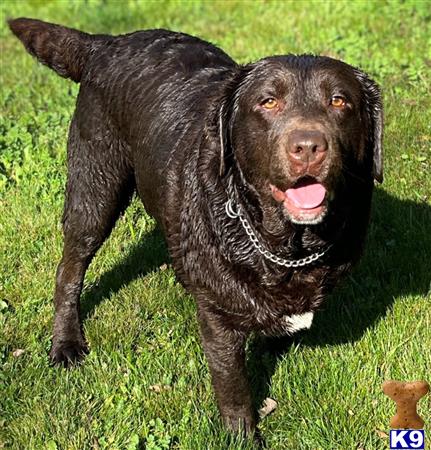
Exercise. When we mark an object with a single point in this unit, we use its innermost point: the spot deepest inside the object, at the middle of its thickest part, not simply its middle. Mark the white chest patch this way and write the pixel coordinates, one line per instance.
(299, 321)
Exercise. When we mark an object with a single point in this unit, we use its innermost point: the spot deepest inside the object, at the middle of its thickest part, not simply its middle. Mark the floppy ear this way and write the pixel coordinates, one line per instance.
(224, 136)
(226, 115)
(374, 112)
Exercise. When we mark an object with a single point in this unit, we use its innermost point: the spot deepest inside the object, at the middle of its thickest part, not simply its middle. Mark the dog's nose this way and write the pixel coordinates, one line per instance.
(307, 145)
(307, 149)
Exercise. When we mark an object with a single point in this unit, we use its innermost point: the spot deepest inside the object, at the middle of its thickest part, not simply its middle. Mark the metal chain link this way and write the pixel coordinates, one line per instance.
(259, 247)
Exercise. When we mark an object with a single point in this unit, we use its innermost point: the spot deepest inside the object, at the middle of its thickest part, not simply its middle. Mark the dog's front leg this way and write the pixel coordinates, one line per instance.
(225, 352)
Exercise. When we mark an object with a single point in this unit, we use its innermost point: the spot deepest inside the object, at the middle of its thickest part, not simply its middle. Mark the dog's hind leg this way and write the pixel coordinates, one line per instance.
(100, 185)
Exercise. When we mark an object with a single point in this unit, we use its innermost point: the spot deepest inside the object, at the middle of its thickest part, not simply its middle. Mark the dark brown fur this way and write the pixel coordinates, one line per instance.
(176, 119)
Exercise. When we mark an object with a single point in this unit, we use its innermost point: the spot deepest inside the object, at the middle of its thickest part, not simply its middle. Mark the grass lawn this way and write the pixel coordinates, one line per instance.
(145, 384)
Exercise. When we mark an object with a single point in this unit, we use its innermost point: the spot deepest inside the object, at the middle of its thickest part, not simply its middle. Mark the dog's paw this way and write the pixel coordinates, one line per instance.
(68, 353)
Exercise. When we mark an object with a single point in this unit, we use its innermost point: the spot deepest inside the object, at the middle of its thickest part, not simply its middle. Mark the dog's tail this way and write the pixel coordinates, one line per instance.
(62, 49)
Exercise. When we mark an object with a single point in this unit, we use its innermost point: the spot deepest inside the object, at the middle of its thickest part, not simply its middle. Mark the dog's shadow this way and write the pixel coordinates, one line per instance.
(144, 257)
(394, 264)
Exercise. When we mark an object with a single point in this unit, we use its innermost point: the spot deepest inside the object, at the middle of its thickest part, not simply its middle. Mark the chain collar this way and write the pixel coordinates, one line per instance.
(237, 214)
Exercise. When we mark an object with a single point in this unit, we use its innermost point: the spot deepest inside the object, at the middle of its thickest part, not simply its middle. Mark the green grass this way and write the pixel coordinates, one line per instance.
(139, 322)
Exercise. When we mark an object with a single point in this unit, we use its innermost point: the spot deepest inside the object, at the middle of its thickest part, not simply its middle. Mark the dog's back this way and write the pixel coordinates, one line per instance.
(140, 93)
(72, 53)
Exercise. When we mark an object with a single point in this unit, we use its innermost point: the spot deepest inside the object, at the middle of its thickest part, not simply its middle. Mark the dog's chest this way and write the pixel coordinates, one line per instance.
(298, 322)
(287, 307)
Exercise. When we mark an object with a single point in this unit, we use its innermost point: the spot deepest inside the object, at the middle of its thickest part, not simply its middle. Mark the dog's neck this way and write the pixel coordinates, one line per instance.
(302, 248)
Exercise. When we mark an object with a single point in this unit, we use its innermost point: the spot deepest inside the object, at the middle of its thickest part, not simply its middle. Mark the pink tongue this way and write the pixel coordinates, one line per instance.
(307, 197)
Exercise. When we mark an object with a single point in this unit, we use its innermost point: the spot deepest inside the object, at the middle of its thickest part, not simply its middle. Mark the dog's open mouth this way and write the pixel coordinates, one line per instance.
(304, 202)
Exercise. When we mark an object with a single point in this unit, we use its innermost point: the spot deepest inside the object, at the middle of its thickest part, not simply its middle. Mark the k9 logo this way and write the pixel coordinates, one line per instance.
(407, 439)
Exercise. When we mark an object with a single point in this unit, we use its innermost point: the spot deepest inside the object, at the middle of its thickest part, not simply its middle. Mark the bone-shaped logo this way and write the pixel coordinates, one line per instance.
(406, 397)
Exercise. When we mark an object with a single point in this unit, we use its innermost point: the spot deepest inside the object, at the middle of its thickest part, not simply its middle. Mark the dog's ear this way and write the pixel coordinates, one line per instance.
(373, 107)
(226, 116)
(224, 130)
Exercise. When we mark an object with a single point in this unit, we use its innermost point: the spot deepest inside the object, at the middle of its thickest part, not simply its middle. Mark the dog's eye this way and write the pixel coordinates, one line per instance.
(269, 103)
(337, 101)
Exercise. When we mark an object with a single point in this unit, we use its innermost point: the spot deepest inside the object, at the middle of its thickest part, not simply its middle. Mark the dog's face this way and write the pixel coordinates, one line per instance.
(299, 127)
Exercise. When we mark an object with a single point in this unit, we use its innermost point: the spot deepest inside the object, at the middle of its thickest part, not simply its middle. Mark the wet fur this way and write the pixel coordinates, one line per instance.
(160, 112)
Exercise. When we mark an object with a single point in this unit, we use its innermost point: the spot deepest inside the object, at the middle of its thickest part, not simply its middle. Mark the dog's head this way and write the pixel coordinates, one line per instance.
(299, 127)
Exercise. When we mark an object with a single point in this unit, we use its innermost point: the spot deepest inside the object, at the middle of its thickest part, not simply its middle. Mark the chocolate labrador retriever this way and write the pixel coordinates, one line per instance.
(260, 176)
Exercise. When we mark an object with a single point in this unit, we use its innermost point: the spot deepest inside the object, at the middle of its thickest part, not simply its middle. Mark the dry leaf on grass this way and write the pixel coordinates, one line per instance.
(269, 406)
(382, 434)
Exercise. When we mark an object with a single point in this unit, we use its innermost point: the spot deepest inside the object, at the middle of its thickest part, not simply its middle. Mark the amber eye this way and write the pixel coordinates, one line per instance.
(338, 101)
(270, 103)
